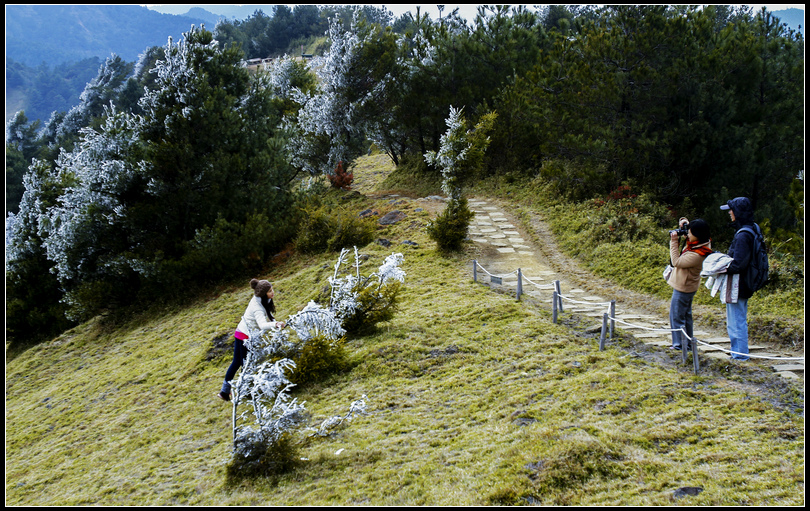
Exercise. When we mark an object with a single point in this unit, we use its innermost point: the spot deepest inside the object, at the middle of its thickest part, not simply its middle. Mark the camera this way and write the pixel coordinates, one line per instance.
(682, 231)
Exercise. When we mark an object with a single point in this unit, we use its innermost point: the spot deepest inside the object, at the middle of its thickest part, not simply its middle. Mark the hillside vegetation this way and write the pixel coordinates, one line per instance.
(473, 398)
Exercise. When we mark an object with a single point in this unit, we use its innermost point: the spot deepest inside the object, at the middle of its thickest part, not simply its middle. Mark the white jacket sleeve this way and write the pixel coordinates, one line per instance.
(261, 319)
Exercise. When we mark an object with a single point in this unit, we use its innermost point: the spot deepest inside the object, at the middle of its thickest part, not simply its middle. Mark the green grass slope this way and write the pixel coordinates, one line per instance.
(473, 398)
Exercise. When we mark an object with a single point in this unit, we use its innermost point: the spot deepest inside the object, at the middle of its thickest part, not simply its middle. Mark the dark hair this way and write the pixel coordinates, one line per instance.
(700, 230)
(269, 306)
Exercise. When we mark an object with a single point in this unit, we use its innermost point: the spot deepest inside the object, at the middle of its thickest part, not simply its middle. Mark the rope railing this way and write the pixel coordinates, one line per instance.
(609, 318)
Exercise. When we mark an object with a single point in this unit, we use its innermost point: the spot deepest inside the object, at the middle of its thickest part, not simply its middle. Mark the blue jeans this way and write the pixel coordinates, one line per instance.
(239, 355)
(680, 316)
(737, 326)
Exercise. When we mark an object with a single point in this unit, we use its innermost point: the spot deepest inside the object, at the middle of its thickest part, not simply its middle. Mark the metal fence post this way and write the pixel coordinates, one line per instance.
(559, 295)
(695, 361)
(475, 272)
(520, 284)
(554, 307)
(604, 331)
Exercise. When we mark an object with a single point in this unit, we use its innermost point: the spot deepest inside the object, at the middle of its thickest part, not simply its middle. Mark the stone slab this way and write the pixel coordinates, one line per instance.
(703, 347)
(789, 375)
(788, 367)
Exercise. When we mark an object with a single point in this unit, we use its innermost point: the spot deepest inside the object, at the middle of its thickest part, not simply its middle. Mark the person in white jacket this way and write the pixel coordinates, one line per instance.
(258, 318)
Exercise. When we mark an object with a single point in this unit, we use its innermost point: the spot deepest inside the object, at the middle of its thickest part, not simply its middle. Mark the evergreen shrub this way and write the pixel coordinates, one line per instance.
(375, 306)
(576, 181)
(262, 456)
(326, 228)
(317, 358)
(449, 229)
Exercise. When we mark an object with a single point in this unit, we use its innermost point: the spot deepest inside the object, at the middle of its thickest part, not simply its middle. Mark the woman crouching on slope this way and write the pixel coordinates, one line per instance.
(258, 318)
(685, 277)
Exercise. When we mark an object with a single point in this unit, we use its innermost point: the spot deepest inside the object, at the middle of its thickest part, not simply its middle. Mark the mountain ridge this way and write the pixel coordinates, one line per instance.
(56, 34)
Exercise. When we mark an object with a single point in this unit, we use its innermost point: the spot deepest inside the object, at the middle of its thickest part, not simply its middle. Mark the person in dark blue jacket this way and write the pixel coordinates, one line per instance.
(741, 250)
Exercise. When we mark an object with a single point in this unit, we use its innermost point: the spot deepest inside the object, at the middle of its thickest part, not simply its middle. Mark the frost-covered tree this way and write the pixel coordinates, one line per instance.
(97, 94)
(263, 384)
(360, 302)
(86, 233)
(22, 145)
(33, 310)
(461, 151)
(460, 155)
(355, 76)
(208, 130)
(168, 195)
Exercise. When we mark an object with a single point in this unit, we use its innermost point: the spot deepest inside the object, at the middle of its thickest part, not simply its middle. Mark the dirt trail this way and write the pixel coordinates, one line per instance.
(503, 244)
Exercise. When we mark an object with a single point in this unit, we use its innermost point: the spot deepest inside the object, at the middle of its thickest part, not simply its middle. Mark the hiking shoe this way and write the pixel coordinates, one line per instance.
(223, 396)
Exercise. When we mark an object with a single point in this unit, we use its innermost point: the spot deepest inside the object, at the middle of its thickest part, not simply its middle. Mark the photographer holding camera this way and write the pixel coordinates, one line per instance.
(685, 276)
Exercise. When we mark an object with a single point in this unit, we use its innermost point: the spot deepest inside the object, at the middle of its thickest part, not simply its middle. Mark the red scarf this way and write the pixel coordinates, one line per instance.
(702, 250)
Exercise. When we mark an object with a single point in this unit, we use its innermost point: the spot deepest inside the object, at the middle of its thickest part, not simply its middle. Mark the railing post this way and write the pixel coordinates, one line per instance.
(559, 295)
(554, 307)
(520, 284)
(695, 361)
(685, 341)
(475, 270)
(612, 317)
(604, 331)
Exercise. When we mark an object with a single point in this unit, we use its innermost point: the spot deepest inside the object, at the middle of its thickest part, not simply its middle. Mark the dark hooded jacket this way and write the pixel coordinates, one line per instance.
(742, 246)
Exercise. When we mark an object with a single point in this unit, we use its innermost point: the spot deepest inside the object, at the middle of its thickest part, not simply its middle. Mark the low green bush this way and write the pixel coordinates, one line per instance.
(449, 229)
(330, 228)
(375, 306)
(263, 457)
(317, 358)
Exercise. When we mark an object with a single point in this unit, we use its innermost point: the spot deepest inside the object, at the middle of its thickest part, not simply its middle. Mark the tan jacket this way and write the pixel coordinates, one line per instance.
(686, 267)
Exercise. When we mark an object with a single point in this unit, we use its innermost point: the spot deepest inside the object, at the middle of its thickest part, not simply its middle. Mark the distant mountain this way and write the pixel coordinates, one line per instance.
(210, 18)
(793, 18)
(238, 12)
(55, 34)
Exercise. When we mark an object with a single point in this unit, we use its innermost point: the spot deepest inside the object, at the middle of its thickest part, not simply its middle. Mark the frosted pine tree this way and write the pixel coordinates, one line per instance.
(97, 94)
(460, 154)
(264, 382)
(334, 123)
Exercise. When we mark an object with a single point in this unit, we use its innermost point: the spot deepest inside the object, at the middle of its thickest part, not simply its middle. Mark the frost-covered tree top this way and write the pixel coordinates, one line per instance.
(101, 173)
(97, 94)
(333, 124)
(460, 150)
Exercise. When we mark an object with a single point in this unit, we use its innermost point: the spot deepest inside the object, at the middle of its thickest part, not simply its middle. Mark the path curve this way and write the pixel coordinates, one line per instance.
(504, 244)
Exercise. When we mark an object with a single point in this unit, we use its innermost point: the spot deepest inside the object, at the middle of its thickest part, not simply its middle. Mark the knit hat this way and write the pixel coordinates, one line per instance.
(260, 287)
(700, 230)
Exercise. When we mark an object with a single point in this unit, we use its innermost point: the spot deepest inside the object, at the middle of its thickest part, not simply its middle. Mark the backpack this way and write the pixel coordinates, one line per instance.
(756, 276)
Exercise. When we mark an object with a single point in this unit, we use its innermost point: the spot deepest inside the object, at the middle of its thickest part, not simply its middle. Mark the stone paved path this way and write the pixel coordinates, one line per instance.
(504, 250)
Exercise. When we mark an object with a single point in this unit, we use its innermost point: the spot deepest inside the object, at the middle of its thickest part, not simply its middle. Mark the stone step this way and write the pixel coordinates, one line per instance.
(789, 374)
(789, 367)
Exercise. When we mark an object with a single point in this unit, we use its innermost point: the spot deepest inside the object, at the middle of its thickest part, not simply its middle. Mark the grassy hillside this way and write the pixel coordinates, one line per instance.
(473, 398)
